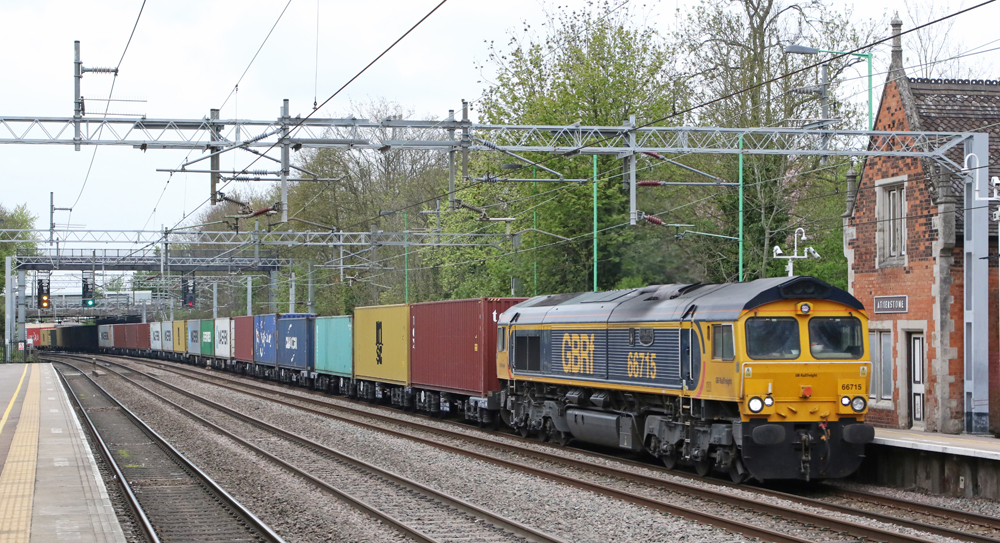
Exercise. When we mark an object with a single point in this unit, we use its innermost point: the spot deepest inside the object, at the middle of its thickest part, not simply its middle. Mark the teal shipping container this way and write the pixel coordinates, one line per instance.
(334, 345)
(207, 337)
(194, 336)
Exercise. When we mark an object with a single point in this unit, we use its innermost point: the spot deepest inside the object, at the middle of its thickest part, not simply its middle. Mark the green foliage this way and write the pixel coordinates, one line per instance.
(18, 218)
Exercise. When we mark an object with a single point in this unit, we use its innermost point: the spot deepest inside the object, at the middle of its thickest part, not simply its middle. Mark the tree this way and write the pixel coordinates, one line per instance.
(736, 64)
(928, 48)
(19, 218)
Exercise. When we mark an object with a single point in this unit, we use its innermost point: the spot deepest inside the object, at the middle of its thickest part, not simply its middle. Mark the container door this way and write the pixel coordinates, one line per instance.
(917, 362)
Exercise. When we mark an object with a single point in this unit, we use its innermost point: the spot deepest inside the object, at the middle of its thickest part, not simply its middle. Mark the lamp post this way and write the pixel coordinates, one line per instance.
(803, 50)
(807, 252)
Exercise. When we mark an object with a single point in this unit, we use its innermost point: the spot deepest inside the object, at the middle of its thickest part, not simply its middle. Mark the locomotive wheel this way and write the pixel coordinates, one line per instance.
(703, 467)
(563, 438)
(542, 435)
(737, 472)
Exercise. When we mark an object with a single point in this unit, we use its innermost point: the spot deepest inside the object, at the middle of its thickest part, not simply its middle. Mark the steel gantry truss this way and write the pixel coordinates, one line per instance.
(628, 142)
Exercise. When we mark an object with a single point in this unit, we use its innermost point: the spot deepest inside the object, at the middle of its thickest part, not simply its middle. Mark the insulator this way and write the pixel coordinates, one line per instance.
(654, 220)
(648, 183)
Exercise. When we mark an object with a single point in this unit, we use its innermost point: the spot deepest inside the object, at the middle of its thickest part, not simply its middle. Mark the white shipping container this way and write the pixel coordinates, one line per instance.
(105, 336)
(155, 336)
(223, 338)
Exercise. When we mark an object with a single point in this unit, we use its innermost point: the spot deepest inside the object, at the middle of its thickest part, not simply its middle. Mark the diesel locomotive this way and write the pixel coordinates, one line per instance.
(765, 379)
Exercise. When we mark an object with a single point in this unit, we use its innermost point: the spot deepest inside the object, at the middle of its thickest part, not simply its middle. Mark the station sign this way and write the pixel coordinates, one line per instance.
(892, 304)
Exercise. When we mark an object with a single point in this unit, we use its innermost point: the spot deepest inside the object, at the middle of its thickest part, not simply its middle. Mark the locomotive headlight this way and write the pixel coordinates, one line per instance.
(845, 401)
(769, 401)
(756, 405)
(858, 404)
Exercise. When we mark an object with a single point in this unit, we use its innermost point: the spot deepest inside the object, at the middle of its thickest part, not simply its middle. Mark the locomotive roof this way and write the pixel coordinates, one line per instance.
(713, 302)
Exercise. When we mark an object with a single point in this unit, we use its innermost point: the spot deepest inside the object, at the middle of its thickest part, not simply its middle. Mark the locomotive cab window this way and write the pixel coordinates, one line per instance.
(501, 339)
(722, 342)
(835, 337)
(772, 338)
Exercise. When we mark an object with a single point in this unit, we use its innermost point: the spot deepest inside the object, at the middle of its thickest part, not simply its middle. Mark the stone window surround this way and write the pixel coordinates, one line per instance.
(880, 326)
(883, 226)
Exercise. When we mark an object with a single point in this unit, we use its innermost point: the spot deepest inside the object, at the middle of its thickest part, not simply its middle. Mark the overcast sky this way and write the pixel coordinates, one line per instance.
(187, 55)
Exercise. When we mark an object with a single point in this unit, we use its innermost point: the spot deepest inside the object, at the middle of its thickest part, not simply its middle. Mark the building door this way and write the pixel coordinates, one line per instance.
(918, 377)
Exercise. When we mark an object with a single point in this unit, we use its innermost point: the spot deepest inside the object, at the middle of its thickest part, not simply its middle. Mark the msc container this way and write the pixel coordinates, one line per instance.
(193, 336)
(180, 336)
(243, 338)
(265, 339)
(104, 337)
(223, 338)
(296, 347)
(207, 337)
(167, 336)
(454, 344)
(155, 336)
(382, 343)
(142, 336)
(334, 345)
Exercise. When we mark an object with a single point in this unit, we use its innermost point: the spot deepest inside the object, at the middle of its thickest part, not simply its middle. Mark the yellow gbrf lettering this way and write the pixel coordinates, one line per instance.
(578, 353)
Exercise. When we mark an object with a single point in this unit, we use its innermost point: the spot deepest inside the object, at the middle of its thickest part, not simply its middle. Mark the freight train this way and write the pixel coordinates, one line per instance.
(766, 379)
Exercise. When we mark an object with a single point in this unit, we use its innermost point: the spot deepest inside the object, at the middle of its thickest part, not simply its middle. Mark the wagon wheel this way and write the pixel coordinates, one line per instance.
(669, 461)
(738, 472)
(563, 438)
(524, 431)
(703, 467)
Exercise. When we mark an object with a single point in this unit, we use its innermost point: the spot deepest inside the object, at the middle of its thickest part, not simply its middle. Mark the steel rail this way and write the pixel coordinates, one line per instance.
(703, 493)
(512, 526)
(983, 520)
(133, 503)
(263, 529)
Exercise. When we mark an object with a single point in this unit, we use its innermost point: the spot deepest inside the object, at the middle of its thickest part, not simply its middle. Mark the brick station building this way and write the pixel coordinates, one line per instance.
(903, 238)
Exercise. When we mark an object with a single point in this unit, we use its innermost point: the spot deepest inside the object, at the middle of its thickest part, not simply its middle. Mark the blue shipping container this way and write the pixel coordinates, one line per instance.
(194, 336)
(265, 339)
(335, 346)
(296, 346)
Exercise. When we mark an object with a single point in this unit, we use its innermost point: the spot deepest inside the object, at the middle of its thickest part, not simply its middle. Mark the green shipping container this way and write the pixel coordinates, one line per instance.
(207, 337)
(334, 345)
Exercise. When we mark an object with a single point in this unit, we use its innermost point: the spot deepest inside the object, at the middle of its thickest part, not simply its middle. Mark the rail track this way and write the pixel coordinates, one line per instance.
(948, 523)
(418, 511)
(172, 500)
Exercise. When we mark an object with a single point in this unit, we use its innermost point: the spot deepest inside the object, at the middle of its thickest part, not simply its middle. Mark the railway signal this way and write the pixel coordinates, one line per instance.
(87, 297)
(187, 292)
(43, 293)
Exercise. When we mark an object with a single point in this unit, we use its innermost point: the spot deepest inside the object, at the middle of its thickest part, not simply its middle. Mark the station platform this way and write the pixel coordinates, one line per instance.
(986, 447)
(50, 487)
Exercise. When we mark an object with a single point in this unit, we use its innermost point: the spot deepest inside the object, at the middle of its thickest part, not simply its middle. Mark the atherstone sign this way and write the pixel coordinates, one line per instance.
(892, 304)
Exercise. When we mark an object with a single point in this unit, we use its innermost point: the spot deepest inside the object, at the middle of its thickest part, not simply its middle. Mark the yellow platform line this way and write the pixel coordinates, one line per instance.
(10, 405)
(17, 482)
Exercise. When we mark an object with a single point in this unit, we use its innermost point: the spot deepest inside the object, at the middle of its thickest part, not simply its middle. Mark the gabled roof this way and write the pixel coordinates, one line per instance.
(959, 105)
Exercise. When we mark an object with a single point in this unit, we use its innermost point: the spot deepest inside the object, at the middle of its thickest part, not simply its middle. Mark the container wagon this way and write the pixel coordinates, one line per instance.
(223, 347)
(207, 341)
(296, 348)
(105, 341)
(142, 338)
(193, 340)
(334, 359)
(453, 356)
(180, 340)
(382, 353)
(265, 345)
(167, 339)
(155, 338)
(118, 336)
(242, 343)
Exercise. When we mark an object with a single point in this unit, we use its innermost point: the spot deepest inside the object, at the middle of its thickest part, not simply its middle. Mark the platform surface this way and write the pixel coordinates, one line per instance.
(986, 447)
(50, 487)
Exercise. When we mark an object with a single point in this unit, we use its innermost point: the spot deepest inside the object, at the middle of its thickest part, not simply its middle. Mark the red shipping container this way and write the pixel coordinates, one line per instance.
(130, 336)
(142, 339)
(243, 338)
(119, 333)
(454, 344)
